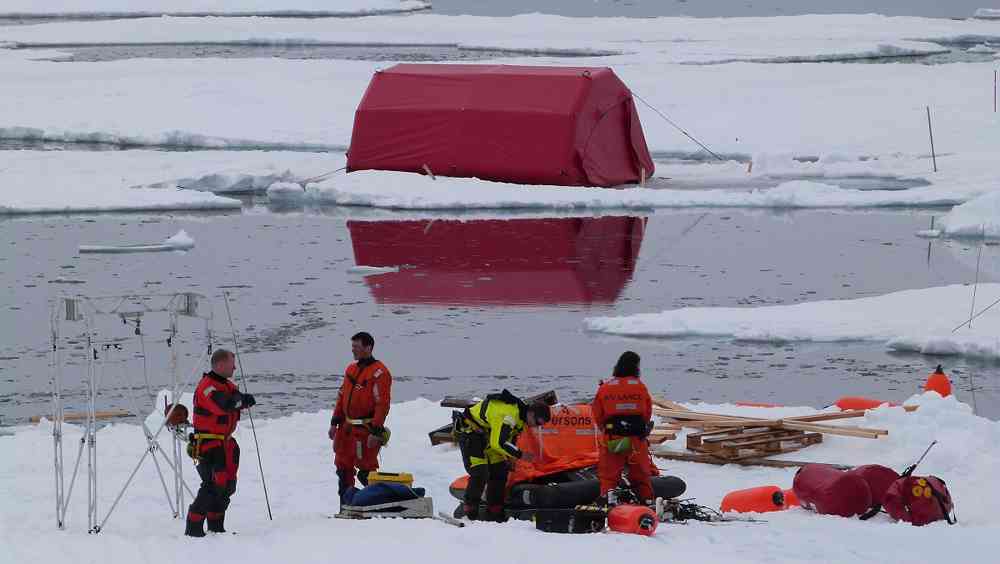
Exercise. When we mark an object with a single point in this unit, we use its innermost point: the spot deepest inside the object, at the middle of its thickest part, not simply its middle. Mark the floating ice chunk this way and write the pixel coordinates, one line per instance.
(981, 48)
(372, 270)
(286, 192)
(929, 233)
(911, 320)
(180, 241)
(979, 217)
(987, 14)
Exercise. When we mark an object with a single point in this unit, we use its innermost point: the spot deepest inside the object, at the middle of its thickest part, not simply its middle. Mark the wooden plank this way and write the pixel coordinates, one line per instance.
(667, 404)
(709, 459)
(112, 414)
(831, 430)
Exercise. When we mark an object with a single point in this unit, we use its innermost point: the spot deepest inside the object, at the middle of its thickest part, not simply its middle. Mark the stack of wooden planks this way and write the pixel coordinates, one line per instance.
(727, 438)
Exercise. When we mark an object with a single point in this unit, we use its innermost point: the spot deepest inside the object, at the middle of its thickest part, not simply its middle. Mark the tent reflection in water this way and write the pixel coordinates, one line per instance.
(574, 260)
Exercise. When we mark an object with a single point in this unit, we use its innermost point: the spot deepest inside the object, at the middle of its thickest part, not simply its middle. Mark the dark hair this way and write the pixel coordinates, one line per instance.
(541, 411)
(627, 365)
(365, 338)
(219, 355)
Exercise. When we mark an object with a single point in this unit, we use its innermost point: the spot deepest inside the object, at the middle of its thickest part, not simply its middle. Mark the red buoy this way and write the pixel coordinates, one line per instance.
(938, 382)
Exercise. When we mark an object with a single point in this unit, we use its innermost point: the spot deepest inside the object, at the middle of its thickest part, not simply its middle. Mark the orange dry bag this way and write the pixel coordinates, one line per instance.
(857, 402)
(760, 500)
(633, 519)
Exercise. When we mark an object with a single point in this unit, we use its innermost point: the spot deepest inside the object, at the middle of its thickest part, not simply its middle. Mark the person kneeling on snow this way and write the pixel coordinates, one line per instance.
(623, 409)
(487, 437)
(217, 405)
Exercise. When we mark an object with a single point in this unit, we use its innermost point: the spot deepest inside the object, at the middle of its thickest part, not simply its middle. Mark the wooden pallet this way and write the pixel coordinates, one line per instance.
(743, 443)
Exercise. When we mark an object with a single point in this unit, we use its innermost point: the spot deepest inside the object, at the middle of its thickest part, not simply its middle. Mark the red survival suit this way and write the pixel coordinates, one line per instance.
(217, 404)
(359, 418)
(622, 410)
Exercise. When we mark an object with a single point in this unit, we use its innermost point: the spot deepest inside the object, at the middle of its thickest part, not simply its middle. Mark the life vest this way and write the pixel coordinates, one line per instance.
(210, 416)
(623, 407)
(501, 418)
(365, 394)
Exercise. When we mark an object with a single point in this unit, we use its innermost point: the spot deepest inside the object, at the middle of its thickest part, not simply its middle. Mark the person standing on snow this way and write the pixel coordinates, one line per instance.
(357, 427)
(217, 405)
(487, 437)
(623, 410)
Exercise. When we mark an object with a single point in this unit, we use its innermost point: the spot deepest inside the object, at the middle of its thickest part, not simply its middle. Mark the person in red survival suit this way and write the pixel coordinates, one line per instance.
(217, 405)
(357, 427)
(623, 409)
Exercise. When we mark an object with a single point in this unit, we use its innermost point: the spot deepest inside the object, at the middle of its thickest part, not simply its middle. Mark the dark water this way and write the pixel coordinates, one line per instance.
(482, 304)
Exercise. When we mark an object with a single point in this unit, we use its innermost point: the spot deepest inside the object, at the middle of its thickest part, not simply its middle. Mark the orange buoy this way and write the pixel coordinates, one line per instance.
(761, 500)
(632, 519)
(847, 403)
(938, 382)
(791, 500)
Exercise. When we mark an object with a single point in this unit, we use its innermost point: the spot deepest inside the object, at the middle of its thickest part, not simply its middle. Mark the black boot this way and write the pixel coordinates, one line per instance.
(194, 528)
(216, 522)
(496, 514)
(471, 511)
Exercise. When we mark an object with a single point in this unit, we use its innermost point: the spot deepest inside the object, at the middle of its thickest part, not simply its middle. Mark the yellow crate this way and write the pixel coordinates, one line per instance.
(404, 478)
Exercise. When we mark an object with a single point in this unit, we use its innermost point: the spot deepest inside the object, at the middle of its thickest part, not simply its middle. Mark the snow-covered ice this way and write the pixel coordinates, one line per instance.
(397, 190)
(85, 181)
(209, 7)
(675, 40)
(979, 217)
(302, 486)
(911, 320)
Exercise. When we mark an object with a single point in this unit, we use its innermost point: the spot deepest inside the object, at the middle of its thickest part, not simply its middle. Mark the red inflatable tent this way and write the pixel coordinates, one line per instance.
(568, 126)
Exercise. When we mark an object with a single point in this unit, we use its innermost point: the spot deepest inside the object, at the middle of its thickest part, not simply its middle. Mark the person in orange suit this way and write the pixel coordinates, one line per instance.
(357, 427)
(623, 410)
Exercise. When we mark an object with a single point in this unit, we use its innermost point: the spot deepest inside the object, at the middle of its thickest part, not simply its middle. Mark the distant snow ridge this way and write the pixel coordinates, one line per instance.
(144, 8)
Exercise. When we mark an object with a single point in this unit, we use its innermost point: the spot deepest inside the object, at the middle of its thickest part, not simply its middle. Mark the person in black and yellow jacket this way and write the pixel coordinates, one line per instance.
(487, 437)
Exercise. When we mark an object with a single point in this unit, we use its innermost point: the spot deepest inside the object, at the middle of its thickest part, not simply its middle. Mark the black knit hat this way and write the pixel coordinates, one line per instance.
(627, 365)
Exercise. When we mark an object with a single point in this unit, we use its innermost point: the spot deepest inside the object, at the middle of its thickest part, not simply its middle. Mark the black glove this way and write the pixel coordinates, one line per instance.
(649, 428)
(336, 420)
(248, 401)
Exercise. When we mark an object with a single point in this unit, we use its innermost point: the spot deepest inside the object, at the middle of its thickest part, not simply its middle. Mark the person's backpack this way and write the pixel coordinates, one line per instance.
(920, 500)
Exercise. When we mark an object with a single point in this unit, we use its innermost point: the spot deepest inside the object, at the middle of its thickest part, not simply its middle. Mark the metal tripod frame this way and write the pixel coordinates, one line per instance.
(129, 308)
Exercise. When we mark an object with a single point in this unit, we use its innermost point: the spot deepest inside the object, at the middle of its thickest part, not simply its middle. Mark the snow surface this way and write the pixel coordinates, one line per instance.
(302, 486)
(911, 320)
(83, 181)
(979, 217)
(205, 7)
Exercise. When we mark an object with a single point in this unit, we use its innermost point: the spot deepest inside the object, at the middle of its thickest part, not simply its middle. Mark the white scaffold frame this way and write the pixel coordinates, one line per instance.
(130, 308)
